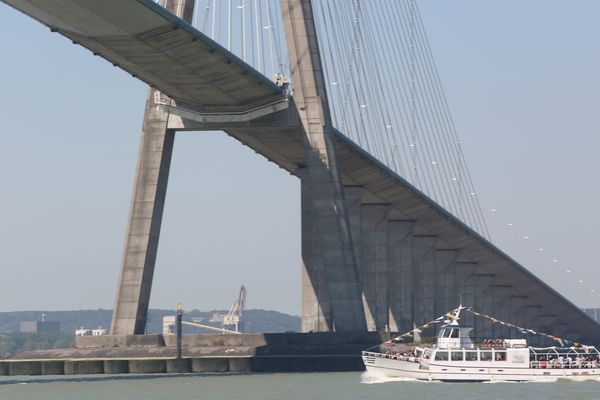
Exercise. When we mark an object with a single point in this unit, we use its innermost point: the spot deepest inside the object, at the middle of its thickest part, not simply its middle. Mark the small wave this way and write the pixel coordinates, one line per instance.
(370, 378)
(541, 380)
(581, 378)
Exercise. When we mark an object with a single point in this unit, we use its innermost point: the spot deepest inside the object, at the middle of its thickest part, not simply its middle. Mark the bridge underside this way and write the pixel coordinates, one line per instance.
(415, 261)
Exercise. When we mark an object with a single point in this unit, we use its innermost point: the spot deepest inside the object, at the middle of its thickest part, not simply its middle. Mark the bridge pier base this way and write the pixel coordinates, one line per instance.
(400, 277)
(374, 265)
(466, 291)
(424, 279)
(446, 290)
(316, 305)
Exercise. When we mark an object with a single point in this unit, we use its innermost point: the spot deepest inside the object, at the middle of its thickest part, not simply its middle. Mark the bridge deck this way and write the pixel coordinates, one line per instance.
(155, 46)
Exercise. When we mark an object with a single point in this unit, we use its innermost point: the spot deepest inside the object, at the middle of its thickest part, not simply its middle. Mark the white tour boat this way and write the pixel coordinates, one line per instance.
(456, 358)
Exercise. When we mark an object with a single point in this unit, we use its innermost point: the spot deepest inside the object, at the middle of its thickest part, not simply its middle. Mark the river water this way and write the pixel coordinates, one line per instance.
(280, 386)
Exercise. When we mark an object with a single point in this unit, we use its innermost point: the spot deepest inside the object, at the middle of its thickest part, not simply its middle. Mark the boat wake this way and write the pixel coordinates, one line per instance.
(370, 378)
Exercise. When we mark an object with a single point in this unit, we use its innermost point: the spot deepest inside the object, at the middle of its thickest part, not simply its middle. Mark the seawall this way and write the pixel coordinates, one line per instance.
(148, 354)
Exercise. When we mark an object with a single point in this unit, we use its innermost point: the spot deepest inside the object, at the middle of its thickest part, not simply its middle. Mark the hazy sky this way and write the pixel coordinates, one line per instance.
(522, 81)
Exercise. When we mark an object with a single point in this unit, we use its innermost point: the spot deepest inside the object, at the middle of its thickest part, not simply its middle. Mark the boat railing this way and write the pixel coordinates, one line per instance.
(556, 364)
(392, 356)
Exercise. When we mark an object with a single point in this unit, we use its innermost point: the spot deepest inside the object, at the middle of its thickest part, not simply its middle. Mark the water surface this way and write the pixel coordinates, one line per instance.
(307, 386)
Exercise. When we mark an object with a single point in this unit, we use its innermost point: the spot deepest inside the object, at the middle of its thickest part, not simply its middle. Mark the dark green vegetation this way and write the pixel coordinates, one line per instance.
(16, 342)
(12, 341)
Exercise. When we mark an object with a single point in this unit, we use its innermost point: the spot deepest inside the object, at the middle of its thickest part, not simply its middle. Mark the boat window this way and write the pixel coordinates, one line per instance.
(446, 333)
(441, 355)
(500, 356)
(470, 356)
(485, 355)
(454, 333)
(456, 355)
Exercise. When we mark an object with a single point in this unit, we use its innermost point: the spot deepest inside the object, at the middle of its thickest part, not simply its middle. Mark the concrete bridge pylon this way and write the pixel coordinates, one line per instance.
(147, 204)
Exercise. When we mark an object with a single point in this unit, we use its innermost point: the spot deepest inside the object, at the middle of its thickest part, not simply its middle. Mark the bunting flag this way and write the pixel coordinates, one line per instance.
(452, 314)
(439, 319)
(557, 339)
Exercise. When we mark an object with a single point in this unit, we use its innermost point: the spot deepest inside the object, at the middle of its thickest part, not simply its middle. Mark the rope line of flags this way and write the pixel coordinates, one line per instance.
(453, 315)
(526, 331)
(442, 318)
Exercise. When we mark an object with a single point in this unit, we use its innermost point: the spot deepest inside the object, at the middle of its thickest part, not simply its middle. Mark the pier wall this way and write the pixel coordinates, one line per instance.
(271, 352)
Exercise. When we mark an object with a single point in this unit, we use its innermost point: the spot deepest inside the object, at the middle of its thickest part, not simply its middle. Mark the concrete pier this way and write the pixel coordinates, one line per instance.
(294, 352)
(374, 265)
(328, 220)
(400, 262)
(446, 293)
(424, 279)
(316, 304)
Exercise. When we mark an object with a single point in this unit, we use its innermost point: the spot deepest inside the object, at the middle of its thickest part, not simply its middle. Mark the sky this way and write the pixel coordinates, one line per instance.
(521, 80)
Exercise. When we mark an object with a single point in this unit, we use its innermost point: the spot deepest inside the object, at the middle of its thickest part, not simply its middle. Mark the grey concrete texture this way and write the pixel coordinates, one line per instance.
(16, 368)
(400, 276)
(240, 364)
(210, 365)
(113, 367)
(83, 367)
(279, 363)
(147, 205)
(116, 343)
(147, 366)
(179, 366)
(119, 341)
(374, 265)
(329, 246)
(142, 44)
(316, 304)
(53, 368)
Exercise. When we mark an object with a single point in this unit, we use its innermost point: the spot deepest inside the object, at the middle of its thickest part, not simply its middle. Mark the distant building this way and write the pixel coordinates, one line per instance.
(42, 326)
(216, 317)
(90, 332)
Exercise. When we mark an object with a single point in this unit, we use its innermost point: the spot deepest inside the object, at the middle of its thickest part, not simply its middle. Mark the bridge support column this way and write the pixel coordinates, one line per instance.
(400, 264)
(466, 291)
(424, 279)
(353, 200)
(446, 292)
(316, 305)
(518, 318)
(145, 214)
(502, 311)
(484, 302)
(375, 265)
(332, 239)
(532, 313)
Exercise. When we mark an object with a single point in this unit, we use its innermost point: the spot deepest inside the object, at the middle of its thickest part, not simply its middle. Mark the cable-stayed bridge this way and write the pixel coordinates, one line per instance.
(392, 232)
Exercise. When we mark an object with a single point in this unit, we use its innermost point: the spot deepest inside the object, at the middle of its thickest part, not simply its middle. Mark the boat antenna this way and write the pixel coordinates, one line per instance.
(454, 315)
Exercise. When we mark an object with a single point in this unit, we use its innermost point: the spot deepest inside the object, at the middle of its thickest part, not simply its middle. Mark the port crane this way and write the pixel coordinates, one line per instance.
(232, 319)
(236, 311)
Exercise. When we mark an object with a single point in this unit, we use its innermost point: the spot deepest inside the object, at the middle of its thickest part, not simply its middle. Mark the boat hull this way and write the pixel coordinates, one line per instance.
(395, 368)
